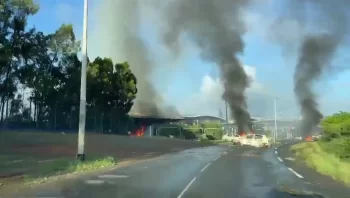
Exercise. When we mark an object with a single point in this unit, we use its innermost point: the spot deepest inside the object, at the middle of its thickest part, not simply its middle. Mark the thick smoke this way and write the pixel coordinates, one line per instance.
(315, 54)
(116, 34)
(317, 50)
(216, 27)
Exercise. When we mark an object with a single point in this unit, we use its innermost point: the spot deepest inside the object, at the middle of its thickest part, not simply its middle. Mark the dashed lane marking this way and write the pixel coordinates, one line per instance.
(112, 176)
(205, 167)
(289, 158)
(94, 182)
(216, 158)
(41, 197)
(279, 159)
(276, 152)
(295, 173)
(186, 188)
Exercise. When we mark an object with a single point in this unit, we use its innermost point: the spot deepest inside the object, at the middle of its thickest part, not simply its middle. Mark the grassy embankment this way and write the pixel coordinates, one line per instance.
(38, 157)
(330, 155)
(323, 157)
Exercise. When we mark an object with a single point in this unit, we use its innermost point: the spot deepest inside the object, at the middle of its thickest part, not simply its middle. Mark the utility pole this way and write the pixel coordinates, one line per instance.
(275, 109)
(226, 112)
(82, 108)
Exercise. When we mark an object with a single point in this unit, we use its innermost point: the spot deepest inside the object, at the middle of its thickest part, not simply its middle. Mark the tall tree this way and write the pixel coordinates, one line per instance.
(13, 20)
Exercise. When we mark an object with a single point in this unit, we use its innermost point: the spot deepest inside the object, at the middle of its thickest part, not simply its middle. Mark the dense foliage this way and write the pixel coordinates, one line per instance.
(40, 77)
(337, 134)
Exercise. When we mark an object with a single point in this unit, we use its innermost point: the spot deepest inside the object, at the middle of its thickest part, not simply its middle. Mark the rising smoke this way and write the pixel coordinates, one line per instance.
(317, 50)
(116, 34)
(216, 27)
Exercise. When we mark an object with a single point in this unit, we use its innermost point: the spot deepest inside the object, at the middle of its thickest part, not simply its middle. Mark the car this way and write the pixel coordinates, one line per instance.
(227, 137)
(298, 138)
(255, 140)
(236, 139)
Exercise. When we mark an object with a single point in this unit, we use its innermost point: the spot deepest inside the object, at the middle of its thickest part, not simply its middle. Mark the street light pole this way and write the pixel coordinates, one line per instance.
(82, 108)
(275, 109)
(226, 112)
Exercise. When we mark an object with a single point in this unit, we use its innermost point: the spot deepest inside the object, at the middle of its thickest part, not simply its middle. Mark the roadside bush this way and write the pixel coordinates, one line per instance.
(214, 133)
(340, 147)
(336, 125)
(188, 134)
(191, 132)
(213, 130)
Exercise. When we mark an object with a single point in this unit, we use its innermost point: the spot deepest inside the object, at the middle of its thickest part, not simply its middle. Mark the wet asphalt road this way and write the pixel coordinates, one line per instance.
(218, 171)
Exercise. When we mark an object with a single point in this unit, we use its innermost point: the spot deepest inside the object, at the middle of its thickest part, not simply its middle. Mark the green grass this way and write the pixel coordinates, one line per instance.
(323, 161)
(50, 170)
(33, 171)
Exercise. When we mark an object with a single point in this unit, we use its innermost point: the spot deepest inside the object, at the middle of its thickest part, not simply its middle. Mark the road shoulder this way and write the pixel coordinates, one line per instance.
(316, 180)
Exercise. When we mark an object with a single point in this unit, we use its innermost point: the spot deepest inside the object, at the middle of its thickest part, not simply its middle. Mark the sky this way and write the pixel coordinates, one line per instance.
(193, 86)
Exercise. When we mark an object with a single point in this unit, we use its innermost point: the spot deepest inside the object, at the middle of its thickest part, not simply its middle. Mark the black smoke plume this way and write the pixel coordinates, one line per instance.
(315, 54)
(317, 51)
(216, 27)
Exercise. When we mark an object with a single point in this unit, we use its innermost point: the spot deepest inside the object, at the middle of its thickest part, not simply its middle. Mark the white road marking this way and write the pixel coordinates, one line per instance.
(41, 197)
(276, 148)
(216, 158)
(289, 158)
(14, 161)
(279, 159)
(205, 167)
(94, 181)
(188, 185)
(112, 176)
(276, 152)
(295, 173)
(49, 160)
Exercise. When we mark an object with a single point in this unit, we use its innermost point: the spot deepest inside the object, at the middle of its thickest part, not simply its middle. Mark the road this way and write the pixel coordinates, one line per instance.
(217, 171)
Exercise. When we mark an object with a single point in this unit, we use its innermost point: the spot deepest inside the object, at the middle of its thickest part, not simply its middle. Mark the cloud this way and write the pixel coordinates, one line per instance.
(208, 101)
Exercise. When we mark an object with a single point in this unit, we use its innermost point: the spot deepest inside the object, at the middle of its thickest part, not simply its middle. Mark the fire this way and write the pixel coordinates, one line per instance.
(139, 132)
(308, 138)
(242, 134)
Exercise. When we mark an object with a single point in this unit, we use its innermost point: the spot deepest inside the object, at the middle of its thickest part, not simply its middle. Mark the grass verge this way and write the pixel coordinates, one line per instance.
(52, 170)
(31, 171)
(322, 161)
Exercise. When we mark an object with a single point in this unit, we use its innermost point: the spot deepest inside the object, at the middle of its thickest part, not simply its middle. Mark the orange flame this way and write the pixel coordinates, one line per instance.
(308, 138)
(139, 132)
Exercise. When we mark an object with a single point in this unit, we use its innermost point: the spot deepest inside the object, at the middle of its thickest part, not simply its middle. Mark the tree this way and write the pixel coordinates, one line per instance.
(336, 125)
(111, 92)
(48, 66)
(12, 44)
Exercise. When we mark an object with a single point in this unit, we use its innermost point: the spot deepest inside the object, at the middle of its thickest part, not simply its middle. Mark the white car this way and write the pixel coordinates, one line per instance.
(236, 139)
(227, 137)
(255, 140)
(298, 138)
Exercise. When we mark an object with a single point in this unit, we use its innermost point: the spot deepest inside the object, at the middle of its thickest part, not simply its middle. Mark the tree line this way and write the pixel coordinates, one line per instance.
(40, 77)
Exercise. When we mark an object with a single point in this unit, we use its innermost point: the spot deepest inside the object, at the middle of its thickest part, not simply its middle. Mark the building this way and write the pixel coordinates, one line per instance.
(144, 124)
(202, 119)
